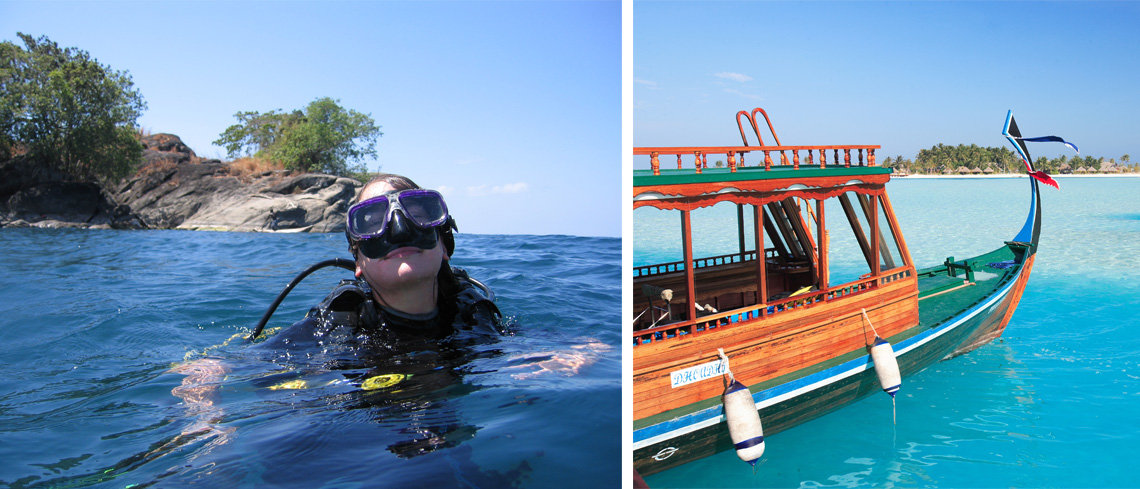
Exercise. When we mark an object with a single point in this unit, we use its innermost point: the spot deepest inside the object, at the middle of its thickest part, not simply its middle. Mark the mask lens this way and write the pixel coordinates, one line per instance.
(405, 235)
(368, 218)
(425, 208)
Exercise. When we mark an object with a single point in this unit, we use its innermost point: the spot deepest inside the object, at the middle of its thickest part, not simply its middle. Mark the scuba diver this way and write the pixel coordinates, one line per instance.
(401, 237)
(395, 341)
(407, 313)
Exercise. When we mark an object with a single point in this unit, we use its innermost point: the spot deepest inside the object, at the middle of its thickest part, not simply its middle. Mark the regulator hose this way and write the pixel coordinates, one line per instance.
(334, 262)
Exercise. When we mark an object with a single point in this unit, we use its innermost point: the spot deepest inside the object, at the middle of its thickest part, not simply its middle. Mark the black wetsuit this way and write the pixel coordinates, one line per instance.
(348, 337)
(350, 316)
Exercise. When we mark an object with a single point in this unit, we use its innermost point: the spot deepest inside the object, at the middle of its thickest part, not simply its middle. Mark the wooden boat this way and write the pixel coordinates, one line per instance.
(795, 338)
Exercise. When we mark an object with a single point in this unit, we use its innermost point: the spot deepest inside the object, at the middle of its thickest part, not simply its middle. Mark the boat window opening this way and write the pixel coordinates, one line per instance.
(777, 247)
(897, 239)
(655, 237)
(723, 277)
(715, 241)
(846, 260)
(872, 212)
(792, 268)
(888, 244)
(860, 226)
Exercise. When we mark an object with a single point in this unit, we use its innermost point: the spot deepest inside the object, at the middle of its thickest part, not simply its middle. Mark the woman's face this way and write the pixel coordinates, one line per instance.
(402, 266)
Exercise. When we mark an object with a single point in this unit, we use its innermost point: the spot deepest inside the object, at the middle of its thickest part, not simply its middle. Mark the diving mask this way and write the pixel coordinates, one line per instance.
(397, 219)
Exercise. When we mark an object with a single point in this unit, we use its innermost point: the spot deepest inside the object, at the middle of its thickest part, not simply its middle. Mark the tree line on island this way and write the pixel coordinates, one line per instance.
(974, 160)
(62, 109)
(941, 159)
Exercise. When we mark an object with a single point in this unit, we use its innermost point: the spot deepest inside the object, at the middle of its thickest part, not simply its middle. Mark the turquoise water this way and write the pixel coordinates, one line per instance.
(93, 321)
(1052, 403)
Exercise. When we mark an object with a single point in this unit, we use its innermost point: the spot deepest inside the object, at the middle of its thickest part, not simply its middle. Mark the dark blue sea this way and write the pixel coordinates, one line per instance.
(1053, 403)
(98, 328)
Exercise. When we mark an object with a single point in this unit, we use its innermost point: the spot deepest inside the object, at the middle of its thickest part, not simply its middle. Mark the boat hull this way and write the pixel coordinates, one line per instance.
(703, 431)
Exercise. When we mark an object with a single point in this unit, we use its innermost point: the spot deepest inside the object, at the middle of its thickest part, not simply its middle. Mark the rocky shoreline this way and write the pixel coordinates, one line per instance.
(174, 189)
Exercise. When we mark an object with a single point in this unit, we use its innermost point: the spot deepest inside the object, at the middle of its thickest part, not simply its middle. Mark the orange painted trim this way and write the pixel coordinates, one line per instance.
(755, 192)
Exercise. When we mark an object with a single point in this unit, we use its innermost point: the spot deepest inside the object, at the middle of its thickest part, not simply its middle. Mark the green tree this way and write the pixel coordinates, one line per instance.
(68, 110)
(255, 131)
(324, 137)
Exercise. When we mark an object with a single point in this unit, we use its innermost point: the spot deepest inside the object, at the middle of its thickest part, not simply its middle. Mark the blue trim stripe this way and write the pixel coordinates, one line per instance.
(1005, 132)
(749, 443)
(709, 416)
(1026, 233)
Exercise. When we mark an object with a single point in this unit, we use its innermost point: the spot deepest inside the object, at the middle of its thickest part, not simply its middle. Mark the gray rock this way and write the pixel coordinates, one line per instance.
(174, 189)
(206, 196)
(65, 204)
(301, 203)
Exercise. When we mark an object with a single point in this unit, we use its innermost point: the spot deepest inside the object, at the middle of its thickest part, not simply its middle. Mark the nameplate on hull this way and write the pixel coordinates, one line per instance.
(696, 373)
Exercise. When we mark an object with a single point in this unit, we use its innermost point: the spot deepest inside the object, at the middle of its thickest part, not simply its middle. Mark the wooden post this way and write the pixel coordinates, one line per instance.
(821, 239)
(655, 163)
(740, 228)
(731, 162)
(761, 273)
(767, 160)
(874, 217)
(698, 162)
(795, 159)
(687, 246)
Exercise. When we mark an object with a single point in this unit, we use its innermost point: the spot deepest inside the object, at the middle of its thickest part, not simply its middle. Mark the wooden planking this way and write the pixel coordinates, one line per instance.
(772, 347)
(663, 354)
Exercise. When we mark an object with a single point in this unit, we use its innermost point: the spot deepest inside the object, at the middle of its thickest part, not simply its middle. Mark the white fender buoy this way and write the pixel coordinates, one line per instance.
(886, 366)
(743, 419)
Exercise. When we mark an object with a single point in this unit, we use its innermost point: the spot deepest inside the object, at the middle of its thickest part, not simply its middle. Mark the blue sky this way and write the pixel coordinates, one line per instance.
(902, 75)
(512, 109)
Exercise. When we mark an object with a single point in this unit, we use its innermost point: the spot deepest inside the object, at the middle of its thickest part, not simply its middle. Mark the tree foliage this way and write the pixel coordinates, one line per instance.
(324, 137)
(941, 158)
(68, 110)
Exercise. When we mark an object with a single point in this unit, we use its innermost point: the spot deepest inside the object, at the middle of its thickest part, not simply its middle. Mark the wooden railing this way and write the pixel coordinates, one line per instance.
(699, 155)
(711, 322)
(677, 266)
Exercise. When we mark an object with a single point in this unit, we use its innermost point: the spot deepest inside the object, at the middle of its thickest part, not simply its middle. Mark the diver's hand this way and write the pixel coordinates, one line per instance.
(200, 386)
(199, 393)
(565, 363)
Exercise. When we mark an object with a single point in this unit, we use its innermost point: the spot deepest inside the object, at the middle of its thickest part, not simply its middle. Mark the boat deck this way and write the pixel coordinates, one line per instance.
(946, 290)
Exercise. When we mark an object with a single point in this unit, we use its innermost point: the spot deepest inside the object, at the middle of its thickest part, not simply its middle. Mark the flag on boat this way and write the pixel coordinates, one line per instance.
(1013, 134)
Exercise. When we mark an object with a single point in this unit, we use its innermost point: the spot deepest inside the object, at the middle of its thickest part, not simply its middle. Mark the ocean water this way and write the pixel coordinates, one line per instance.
(95, 323)
(1053, 403)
